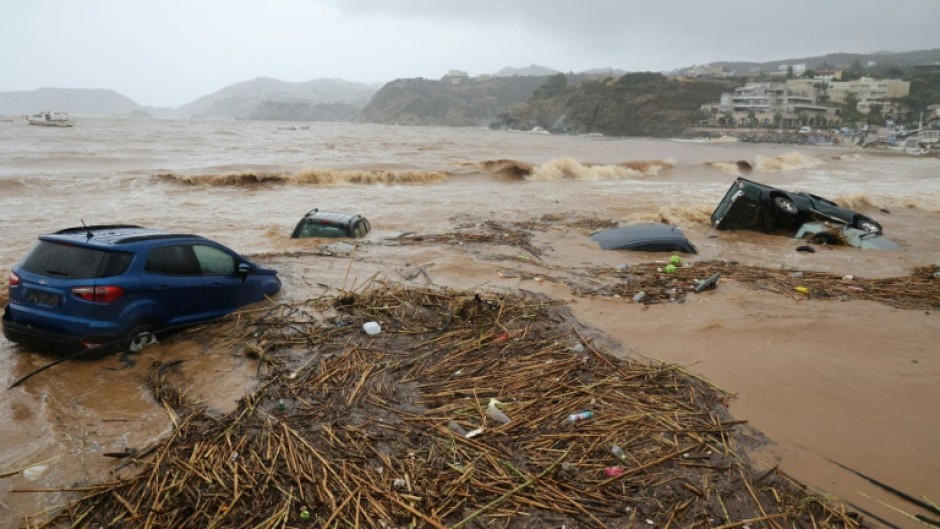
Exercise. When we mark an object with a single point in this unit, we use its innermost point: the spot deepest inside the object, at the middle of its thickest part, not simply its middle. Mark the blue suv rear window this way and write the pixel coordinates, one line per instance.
(67, 261)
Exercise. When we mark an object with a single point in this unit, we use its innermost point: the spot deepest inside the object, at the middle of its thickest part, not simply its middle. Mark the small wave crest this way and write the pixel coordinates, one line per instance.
(513, 169)
(571, 169)
(721, 139)
(12, 185)
(785, 162)
(678, 215)
(856, 201)
(733, 168)
(310, 177)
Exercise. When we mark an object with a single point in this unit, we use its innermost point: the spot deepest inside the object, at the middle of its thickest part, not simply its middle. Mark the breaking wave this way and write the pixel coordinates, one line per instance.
(512, 169)
(310, 177)
(571, 169)
(785, 162)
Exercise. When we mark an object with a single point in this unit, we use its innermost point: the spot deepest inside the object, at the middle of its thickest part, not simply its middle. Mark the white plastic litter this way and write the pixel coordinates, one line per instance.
(372, 328)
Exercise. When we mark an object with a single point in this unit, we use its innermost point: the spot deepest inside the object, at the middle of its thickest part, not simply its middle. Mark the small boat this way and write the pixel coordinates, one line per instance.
(51, 119)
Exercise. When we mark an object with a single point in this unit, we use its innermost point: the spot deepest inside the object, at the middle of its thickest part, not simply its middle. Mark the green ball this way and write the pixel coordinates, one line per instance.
(675, 260)
(670, 268)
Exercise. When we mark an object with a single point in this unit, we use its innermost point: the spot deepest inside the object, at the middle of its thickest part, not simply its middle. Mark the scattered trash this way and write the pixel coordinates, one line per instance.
(577, 348)
(797, 275)
(581, 416)
(676, 260)
(670, 269)
(936, 275)
(32, 473)
(304, 514)
(372, 328)
(623, 266)
(854, 288)
(613, 471)
(707, 283)
(807, 249)
(399, 483)
(473, 433)
(493, 412)
(847, 279)
(456, 428)
(281, 406)
(618, 453)
(801, 289)
(640, 297)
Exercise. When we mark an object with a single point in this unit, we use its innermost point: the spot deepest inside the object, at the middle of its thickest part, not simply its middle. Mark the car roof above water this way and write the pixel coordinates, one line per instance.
(112, 235)
(338, 218)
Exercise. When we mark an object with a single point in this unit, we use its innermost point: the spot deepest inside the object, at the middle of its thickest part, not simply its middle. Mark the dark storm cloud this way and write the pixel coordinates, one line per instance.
(721, 29)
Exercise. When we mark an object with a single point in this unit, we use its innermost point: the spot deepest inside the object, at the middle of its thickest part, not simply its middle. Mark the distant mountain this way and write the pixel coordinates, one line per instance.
(836, 60)
(528, 71)
(76, 101)
(252, 99)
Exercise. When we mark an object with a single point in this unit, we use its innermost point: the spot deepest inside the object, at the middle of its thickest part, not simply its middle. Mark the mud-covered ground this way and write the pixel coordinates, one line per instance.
(812, 432)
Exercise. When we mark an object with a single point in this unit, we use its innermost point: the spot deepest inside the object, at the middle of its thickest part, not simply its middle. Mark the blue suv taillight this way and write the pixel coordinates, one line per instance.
(105, 294)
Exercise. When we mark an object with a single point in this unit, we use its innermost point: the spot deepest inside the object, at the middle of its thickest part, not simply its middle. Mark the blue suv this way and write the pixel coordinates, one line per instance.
(116, 286)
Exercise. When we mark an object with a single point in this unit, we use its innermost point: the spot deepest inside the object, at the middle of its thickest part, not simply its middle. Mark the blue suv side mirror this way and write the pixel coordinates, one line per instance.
(243, 270)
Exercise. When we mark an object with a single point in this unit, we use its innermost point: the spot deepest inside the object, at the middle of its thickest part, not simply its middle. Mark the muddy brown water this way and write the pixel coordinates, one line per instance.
(851, 382)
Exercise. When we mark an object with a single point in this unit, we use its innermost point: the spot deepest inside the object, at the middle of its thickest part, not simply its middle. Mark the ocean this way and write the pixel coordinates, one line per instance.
(815, 376)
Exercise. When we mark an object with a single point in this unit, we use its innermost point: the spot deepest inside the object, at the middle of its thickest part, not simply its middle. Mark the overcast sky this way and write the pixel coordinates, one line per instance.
(169, 52)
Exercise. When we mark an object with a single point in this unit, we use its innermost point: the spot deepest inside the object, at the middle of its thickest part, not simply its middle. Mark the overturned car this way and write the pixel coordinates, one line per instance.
(754, 206)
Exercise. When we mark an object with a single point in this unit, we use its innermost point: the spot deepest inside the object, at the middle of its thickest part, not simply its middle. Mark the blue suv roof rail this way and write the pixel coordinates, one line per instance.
(155, 237)
(97, 227)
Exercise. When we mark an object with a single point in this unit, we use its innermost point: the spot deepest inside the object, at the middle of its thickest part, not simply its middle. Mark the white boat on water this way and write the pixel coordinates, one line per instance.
(50, 118)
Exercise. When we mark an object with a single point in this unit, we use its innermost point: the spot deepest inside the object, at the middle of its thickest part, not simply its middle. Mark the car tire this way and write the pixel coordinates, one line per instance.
(785, 205)
(140, 336)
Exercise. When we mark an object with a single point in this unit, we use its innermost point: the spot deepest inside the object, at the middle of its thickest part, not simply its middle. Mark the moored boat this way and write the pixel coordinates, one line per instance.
(50, 118)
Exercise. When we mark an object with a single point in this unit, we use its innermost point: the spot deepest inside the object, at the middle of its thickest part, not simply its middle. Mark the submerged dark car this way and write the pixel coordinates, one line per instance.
(318, 223)
(644, 238)
(754, 206)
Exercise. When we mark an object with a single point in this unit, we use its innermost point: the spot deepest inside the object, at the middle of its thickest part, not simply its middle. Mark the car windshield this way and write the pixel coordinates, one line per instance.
(67, 261)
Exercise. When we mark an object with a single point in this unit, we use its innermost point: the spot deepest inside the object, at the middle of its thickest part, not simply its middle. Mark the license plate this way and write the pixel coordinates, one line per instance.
(39, 297)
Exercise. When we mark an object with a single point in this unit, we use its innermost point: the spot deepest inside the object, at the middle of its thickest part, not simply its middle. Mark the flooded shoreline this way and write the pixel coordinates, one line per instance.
(813, 375)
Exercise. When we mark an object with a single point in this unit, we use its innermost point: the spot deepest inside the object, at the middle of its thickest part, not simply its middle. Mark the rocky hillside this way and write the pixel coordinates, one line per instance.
(635, 104)
(76, 101)
(451, 102)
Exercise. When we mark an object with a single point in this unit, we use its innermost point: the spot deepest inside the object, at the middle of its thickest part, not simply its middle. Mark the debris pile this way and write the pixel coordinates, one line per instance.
(466, 410)
(918, 291)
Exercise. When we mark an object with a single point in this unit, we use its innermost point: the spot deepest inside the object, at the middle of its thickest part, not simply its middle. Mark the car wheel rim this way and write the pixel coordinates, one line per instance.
(141, 340)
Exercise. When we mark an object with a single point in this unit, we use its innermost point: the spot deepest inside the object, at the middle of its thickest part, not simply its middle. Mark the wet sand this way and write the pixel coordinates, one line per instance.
(852, 382)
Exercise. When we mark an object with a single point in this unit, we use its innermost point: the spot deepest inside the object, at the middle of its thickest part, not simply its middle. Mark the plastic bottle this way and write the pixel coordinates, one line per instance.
(581, 416)
(618, 453)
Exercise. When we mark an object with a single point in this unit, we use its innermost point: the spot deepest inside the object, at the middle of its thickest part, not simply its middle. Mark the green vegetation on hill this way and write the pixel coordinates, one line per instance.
(636, 104)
